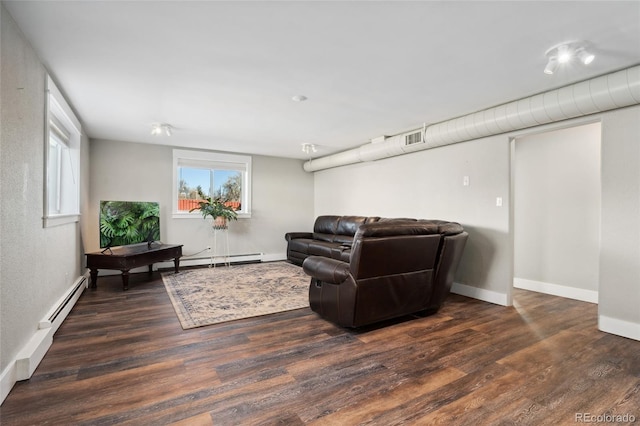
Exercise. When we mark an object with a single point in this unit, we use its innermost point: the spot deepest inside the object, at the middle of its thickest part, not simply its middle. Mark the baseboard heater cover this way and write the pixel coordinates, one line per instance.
(206, 260)
(75, 290)
(234, 258)
(32, 353)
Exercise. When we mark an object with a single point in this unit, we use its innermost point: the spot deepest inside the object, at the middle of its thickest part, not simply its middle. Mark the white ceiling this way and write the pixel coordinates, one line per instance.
(223, 73)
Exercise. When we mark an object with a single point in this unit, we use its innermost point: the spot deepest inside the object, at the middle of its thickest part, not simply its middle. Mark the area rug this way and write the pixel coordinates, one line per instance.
(225, 293)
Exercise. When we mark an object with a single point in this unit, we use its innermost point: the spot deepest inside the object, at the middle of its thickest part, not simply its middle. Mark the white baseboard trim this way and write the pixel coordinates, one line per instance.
(557, 290)
(480, 294)
(630, 330)
(31, 354)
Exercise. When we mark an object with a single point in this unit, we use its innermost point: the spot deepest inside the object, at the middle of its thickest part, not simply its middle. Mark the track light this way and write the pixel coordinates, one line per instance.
(585, 56)
(160, 128)
(308, 148)
(565, 53)
(552, 66)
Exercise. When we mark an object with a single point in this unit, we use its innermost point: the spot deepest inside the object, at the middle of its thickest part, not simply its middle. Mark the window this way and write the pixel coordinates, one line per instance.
(198, 175)
(62, 160)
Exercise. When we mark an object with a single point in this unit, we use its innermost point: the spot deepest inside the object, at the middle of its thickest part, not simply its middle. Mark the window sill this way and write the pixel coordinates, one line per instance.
(57, 220)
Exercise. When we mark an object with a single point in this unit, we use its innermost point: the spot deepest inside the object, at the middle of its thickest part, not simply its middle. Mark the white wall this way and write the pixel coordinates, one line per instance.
(557, 211)
(282, 198)
(37, 265)
(428, 184)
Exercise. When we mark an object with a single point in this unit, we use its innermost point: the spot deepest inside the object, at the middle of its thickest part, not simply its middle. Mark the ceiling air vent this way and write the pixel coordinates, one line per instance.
(412, 138)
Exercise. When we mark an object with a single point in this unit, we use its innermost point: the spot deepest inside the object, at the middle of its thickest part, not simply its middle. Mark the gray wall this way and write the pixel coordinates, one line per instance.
(37, 265)
(428, 184)
(557, 207)
(282, 198)
(619, 291)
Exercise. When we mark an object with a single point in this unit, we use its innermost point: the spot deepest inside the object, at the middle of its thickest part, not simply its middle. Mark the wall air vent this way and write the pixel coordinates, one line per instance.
(412, 138)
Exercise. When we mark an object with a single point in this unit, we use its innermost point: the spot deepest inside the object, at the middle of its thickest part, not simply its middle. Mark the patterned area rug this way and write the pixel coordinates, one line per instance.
(214, 295)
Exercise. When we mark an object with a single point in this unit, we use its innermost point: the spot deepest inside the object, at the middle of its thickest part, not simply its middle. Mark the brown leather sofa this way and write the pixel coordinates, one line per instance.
(389, 268)
(332, 237)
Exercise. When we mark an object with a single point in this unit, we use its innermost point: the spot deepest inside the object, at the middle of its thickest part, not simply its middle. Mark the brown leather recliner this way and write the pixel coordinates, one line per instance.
(395, 268)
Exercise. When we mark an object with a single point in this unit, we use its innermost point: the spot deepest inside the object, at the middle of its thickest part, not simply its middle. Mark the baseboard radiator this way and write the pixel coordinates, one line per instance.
(66, 301)
(33, 352)
(218, 259)
(232, 259)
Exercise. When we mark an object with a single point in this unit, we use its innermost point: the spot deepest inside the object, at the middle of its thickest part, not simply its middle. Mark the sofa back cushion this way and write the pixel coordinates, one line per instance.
(339, 229)
(444, 227)
(348, 226)
(388, 249)
(325, 228)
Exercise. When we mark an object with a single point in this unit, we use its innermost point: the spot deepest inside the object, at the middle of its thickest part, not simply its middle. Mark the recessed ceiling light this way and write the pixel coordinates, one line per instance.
(299, 98)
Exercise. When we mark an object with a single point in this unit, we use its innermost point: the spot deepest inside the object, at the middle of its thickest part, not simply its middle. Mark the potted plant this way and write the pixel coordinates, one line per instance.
(218, 210)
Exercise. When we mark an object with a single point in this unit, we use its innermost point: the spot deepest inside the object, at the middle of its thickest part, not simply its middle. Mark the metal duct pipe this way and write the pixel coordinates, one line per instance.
(616, 90)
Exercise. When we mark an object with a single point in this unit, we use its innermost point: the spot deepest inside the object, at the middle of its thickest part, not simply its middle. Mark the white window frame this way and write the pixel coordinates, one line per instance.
(62, 181)
(212, 160)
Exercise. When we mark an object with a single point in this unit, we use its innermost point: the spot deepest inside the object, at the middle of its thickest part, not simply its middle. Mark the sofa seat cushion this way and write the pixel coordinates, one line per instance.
(344, 254)
(300, 245)
(322, 248)
(319, 236)
(308, 247)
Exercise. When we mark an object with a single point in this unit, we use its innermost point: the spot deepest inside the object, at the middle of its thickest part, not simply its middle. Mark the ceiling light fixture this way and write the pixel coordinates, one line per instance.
(565, 53)
(160, 128)
(309, 148)
(584, 56)
(552, 66)
(299, 98)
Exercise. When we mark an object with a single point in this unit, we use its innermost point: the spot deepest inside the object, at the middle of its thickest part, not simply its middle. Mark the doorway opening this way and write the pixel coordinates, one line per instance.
(556, 212)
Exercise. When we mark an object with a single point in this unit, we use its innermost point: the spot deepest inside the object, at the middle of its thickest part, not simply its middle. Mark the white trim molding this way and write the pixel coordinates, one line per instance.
(628, 329)
(557, 290)
(480, 294)
(8, 378)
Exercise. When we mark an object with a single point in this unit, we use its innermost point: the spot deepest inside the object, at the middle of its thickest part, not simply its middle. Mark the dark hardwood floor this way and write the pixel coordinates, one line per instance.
(122, 358)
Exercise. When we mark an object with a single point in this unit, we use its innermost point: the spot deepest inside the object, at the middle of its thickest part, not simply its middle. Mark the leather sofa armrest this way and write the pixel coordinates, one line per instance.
(293, 235)
(331, 271)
